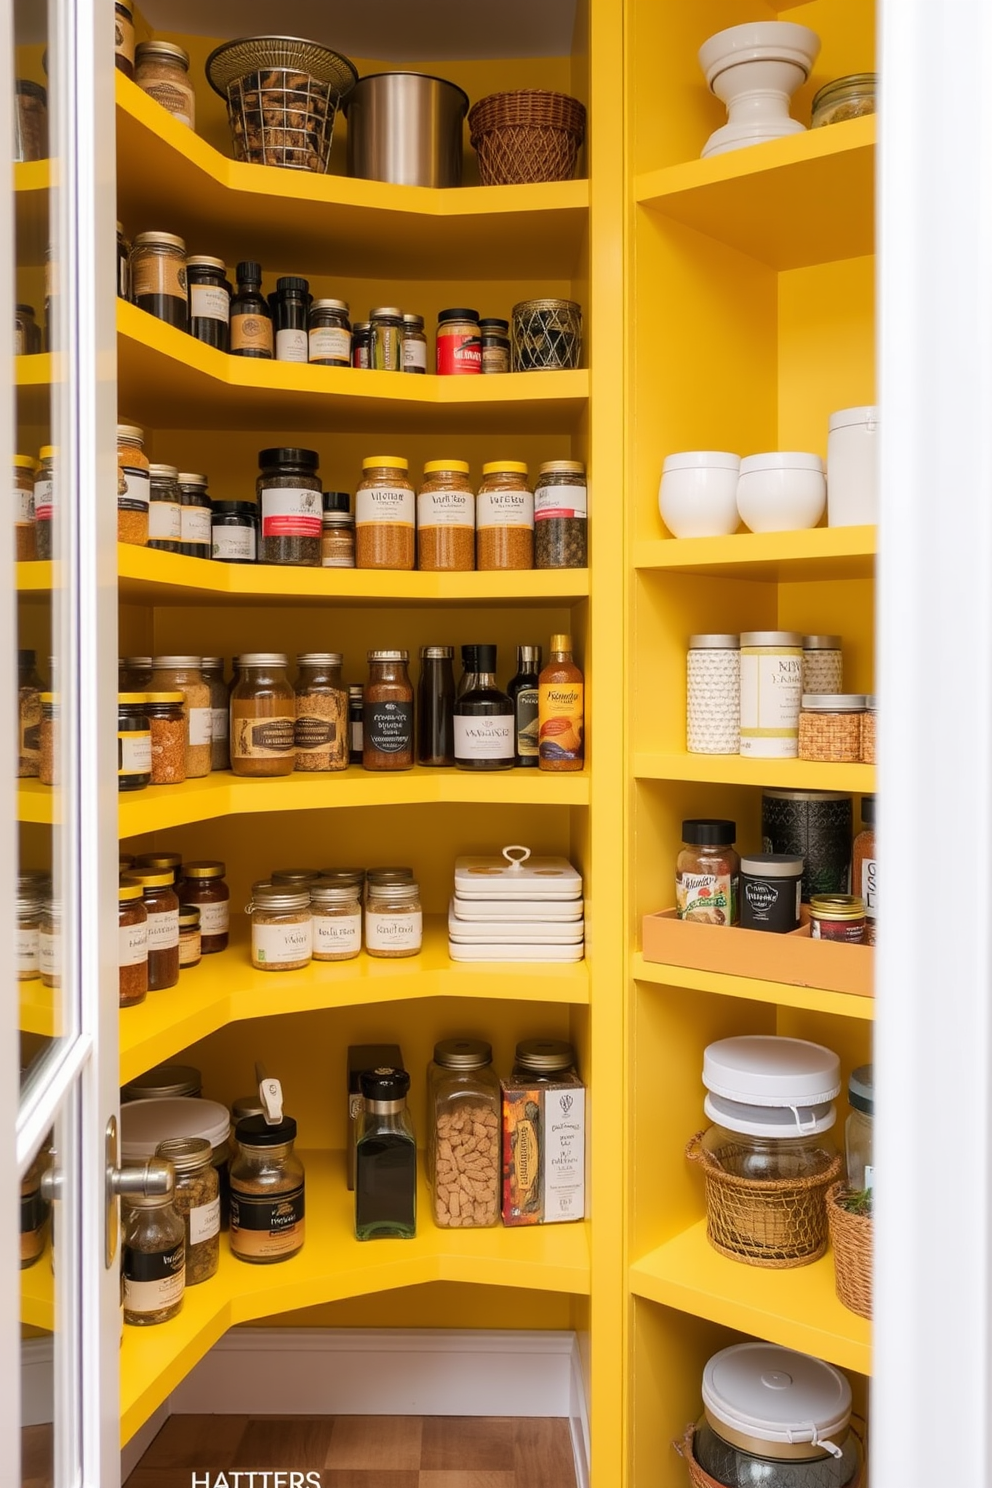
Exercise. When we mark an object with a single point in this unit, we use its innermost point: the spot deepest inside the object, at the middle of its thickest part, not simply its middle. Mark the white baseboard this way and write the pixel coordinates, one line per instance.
(37, 1381)
(579, 1410)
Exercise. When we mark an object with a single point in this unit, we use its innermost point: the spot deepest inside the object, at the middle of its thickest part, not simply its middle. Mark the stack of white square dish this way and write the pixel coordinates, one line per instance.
(516, 908)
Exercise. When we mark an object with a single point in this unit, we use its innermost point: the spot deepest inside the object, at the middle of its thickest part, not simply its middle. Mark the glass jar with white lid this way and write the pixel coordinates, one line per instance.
(859, 1130)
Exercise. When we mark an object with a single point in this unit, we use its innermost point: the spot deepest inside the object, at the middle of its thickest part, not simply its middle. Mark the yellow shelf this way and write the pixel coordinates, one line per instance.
(39, 1008)
(34, 377)
(36, 580)
(169, 379)
(150, 577)
(333, 1265)
(753, 989)
(166, 173)
(37, 803)
(805, 199)
(226, 988)
(38, 1292)
(796, 1308)
(769, 557)
(731, 769)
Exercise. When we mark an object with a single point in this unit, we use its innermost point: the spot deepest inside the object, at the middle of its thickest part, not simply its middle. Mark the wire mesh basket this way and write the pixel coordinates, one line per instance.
(546, 335)
(851, 1239)
(527, 135)
(282, 96)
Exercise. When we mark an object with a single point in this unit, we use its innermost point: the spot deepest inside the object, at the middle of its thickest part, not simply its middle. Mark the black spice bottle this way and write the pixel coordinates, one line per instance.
(484, 720)
(523, 695)
(290, 307)
(436, 707)
(251, 321)
(385, 1159)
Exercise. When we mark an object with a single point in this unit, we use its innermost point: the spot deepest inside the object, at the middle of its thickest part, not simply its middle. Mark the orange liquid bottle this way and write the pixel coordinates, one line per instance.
(561, 710)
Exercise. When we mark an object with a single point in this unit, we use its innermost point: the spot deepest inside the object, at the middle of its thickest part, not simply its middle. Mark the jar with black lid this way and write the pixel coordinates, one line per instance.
(158, 277)
(234, 531)
(330, 334)
(414, 344)
(195, 516)
(291, 507)
(251, 319)
(134, 742)
(290, 306)
(361, 340)
(495, 345)
(165, 527)
(386, 339)
(209, 301)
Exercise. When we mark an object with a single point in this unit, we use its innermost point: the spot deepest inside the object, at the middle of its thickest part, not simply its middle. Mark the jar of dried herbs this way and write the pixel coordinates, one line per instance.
(330, 334)
(182, 674)
(165, 521)
(268, 1199)
(263, 717)
(153, 1259)
(446, 517)
(197, 1202)
(234, 532)
(504, 517)
(209, 301)
(385, 515)
(203, 885)
(189, 936)
(50, 943)
(212, 672)
(281, 931)
(386, 339)
(45, 502)
(158, 277)
(394, 921)
(337, 920)
(561, 516)
(337, 537)
(31, 890)
(321, 733)
(160, 901)
(25, 539)
(196, 515)
(161, 69)
(290, 504)
(133, 485)
(29, 693)
(132, 950)
(387, 732)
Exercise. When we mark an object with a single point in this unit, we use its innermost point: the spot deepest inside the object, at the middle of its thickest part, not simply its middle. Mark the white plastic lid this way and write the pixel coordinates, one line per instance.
(781, 460)
(764, 1070)
(701, 460)
(552, 911)
(145, 1123)
(770, 1121)
(845, 417)
(459, 950)
(516, 875)
(777, 1395)
(515, 932)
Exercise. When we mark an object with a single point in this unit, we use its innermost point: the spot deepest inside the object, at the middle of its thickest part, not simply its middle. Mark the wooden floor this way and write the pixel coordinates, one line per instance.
(363, 1451)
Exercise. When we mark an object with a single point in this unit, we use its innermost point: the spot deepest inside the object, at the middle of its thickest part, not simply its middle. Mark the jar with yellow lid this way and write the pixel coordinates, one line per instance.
(132, 956)
(446, 518)
(385, 514)
(504, 517)
(25, 542)
(837, 917)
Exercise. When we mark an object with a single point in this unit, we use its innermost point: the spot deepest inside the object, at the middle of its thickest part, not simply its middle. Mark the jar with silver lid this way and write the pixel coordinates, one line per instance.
(823, 663)
(281, 930)
(197, 1201)
(165, 523)
(336, 910)
(32, 887)
(196, 515)
(386, 339)
(330, 334)
(713, 694)
(414, 344)
(209, 301)
(158, 277)
(163, 1082)
(161, 69)
(394, 921)
(830, 727)
(463, 1134)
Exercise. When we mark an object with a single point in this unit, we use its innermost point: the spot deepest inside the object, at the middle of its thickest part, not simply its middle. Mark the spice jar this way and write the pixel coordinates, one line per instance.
(337, 920)
(859, 1130)
(25, 543)
(837, 917)
(204, 886)
(212, 672)
(233, 531)
(124, 37)
(771, 892)
(133, 485)
(165, 522)
(771, 691)
(823, 663)
(385, 514)
(504, 517)
(189, 936)
(713, 694)
(30, 124)
(863, 866)
(707, 872)
(321, 733)
(446, 518)
(46, 502)
(29, 694)
(495, 335)
(32, 887)
(182, 674)
(386, 339)
(290, 506)
(463, 1136)
(387, 713)
(160, 901)
(263, 717)
(49, 764)
(268, 1205)
(161, 69)
(459, 343)
(132, 922)
(290, 307)
(50, 943)
(337, 537)
(150, 1117)
(296, 878)
(330, 334)
(414, 344)
(134, 742)
(868, 732)
(161, 862)
(560, 516)
(153, 1259)
(167, 727)
(394, 921)
(830, 727)
(281, 931)
(197, 1202)
(158, 277)
(845, 98)
(361, 340)
(209, 301)
(356, 717)
(815, 826)
(34, 1212)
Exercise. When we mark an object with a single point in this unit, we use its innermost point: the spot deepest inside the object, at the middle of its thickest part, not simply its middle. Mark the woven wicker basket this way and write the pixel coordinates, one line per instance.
(700, 1479)
(851, 1239)
(529, 135)
(776, 1223)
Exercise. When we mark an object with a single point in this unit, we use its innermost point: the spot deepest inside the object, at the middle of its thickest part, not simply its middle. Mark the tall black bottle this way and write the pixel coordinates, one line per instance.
(484, 731)
(522, 691)
(251, 321)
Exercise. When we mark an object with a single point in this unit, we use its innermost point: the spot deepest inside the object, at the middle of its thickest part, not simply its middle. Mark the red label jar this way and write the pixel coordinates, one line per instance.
(459, 343)
(837, 917)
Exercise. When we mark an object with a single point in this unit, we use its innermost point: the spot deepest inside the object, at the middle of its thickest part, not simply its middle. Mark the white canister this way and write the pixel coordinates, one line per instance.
(823, 664)
(698, 493)
(713, 694)
(771, 693)
(852, 467)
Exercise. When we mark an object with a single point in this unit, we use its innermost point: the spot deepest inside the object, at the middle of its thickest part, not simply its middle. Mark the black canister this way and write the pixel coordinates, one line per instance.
(209, 301)
(771, 889)
(816, 826)
(290, 306)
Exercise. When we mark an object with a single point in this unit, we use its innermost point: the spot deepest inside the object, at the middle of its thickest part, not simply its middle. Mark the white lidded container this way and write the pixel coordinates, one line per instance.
(698, 493)
(528, 909)
(145, 1123)
(522, 931)
(477, 910)
(516, 875)
(771, 693)
(852, 467)
(713, 694)
(762, 1069)
(781, 491)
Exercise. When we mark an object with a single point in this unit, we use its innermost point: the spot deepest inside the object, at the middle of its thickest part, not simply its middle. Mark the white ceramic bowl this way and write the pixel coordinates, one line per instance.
(781, 491)
(755, 69)
(698, 493)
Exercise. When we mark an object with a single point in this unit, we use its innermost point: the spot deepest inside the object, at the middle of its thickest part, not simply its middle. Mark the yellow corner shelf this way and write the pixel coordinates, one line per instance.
(334, 1265)
(767, 557)
(147, 576)
(166, 172)
(38, 1292)
(226, 988)
(806, 199)
(796, 1308)
(169, 379)
(731, 769)
(753, 989)
(39, 1008)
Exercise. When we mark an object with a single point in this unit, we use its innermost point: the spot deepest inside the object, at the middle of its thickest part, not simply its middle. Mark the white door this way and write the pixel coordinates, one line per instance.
(60, 1339)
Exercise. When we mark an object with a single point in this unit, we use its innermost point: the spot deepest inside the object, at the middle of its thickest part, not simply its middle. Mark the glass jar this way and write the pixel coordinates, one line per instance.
(268, 1203)
(290, 307)
(459, 343)
(263, 717)
(49, 764)
(446, 518)
(158, 277)
(123, 274)
(162, 905)
(189, 936)
(212, 672)
(161, 70)
(361, 341)
(561, 516)
(864, 867)
(30, 121)
(495, 336)
(757, 1155)
(209, 301)
(204, 886)
(414, 345)
(356, 722)
(394, 921)
(330, 334)
(385, 1158)
(164, 1082)
(134, 742)
(321, 733)
(337, 920)
(165, 522)
(234, 531)
(136, 673)
(162, 862)
(296, 878)
(337, 537)
(463, 1137)
(50, 943)
(859, 1130)
(386, 339)
(281, 929)
(436, 707)
(25, 539)
(387, 713)
(34, 1212)
(830, 727)
(132, 959)
(133, 486)
(708, 872)
(197, 1202)
(251, 318)
(182, 674)
(195, 515)
(45, 502)
(290, 506)
(153, 1259)
(29, 693)
(27, 336)
(32, 887)
(504, 517)
(385, 515)
(124, 37)
(167, 725)
(838, 917)
(845, 98)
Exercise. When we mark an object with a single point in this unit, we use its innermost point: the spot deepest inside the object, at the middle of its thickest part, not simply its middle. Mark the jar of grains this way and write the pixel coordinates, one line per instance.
(321, 712)
(124, 37)
(49, 766)
(203, 885)
(337, 537)
(561, 516)
(414, 344)
(329, 334)
(386, 339)
(50, 943)
(29, 690)
(268, 1198)
(165, 520)
(504, 517)
(495, 345)
(387, 713)
(263, 716)
(337, 920)
(182, 674)
(209, 301)
(161, 70)
(134, 742)
(195, 533)
(189, 936)
(158, 277)
(32, 887)
(162, 904)
(25, 544)
(153, 1259)
(446, 517)
(234, 532)
(463, 1137)
(394, 921)
(830, 727)
(133, 485)
(197, 1202)
(212, 672)
(385, 519)
(713, 694)
(167, 725)
(132, 921)
(459, 343)
(45, 502)
(290, 506)
(281, 931)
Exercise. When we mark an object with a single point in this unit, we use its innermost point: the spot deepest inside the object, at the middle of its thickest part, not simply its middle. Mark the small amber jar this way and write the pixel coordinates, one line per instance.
(263, 717)
(162, 904)
(267, 1192)
(204, 886)
(133, 486)
(446, 517)
(504, 517)
(132, 921)
(189, 936)
(336, 909)
(385, 515)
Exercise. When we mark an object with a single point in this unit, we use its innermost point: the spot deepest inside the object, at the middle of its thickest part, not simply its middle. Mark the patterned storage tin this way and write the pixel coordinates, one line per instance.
(823, 664)
(816, 826)
(713, 694)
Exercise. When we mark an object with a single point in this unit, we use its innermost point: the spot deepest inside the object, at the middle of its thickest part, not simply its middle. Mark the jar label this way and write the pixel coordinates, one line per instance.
(269, 738)
(483, 738)
(561, 718)
(274, 945)
(446, 509)
(204, 1222)
(357, 737)
(26, 950)
(133, 488)
(163, 929)
(771, 691)
(402, 931)
(868, 887)
(123, 34)
(264, 1226)
(154, 273)
(49, 952)
(23, 505)
(176, 100)
(527, 725)
(388, 727)
(189, 947)
(153, 1280)
(132, 944)
(215, 919)
(195, 525)
(251, 332)
(564, 1155)
(337, 935)
(560, 501)
(314, 735)
(200, 729)
(394, 504)
(458, 353)
(291, 512)
(233, 544)
(706, 898)
(220, 719)
(849, 932)
(165, 520)
(209, 301)
(360, 357)
(292, 346)
(414, 355)
(869, 1176)
(45, 500)
(496, 358)
(134, 754)
(504, 509)
(331, 344)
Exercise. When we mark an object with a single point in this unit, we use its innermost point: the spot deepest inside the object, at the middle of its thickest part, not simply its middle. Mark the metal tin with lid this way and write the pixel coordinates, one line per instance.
(771, 892)
(837, 917)
(165, 1080)
(539, 1057)
(816, 826)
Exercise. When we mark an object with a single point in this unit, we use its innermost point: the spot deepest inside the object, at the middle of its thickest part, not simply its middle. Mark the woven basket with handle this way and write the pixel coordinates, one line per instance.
(700, 1479)
(529, 135)
(851, 1239)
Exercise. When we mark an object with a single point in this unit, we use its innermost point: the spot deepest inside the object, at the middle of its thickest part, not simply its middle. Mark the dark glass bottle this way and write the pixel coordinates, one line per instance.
(290, 306)
(209, 301)
(385, 1159)
(436, 707)
(522, 690)
(470, 668)
(251, 321)
(484, 720)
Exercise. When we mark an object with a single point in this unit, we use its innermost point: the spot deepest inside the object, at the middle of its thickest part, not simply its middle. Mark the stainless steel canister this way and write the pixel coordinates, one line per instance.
(406, 127)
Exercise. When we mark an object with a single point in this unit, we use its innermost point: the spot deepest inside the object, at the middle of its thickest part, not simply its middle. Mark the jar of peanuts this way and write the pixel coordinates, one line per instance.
(385, 514)
(463, 1139)
(446, 517)
(504, 517)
